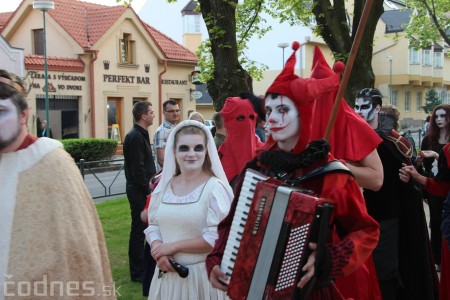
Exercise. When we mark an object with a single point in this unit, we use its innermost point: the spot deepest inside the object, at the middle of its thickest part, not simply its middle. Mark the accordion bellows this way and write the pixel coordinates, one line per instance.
(269, 248)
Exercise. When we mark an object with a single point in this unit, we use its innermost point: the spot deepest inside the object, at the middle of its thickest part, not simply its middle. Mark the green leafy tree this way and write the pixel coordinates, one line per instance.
(337, 25)
(430, 22)
(225, 67)
(431, 101)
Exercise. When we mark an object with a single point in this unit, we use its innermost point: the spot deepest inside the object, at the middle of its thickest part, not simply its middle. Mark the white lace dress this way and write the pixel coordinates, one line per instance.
(173, 218)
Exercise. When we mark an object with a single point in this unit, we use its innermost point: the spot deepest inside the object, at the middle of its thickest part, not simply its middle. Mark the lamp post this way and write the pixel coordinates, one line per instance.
(44, 6)
(390, 58)
(282, 46)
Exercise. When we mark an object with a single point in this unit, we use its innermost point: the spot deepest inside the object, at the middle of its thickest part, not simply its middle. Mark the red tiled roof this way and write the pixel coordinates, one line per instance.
(81, 19)
(87, 22)
(170, 48)
(36, 62)
(4, 17)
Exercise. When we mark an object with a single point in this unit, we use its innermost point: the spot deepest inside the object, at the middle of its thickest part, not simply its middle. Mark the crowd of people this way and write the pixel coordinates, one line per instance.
(184, 203)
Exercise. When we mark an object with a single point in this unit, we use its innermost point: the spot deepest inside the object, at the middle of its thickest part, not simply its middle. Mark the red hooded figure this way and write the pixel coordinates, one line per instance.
(241, 141)
(287, 156)
(349, 127)
(304, 92)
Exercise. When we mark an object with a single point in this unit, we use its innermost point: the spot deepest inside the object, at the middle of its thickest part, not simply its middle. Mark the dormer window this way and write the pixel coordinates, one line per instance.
(127, 49)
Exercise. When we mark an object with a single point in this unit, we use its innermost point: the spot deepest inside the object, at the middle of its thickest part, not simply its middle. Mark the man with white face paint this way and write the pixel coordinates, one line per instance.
(287, 155)
(49, 228)
(368, 104)
(398, 208)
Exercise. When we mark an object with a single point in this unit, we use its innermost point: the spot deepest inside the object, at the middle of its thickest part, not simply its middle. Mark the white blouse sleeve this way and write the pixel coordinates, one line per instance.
(218, 208)
(152, 232)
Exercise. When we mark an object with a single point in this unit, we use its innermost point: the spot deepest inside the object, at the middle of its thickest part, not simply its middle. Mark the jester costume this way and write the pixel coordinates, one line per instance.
(353, 233)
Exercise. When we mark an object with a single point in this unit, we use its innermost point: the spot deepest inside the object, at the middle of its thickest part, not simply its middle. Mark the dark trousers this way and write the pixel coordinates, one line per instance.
(149, 265)
(385, 257)
(136, 244)
(435, 206)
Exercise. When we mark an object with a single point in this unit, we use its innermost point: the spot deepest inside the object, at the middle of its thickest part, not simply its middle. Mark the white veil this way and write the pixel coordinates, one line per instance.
(169, 158)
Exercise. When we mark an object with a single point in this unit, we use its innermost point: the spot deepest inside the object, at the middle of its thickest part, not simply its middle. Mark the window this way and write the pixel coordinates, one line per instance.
(191, 24)
(394, 97)
(426, 57)
(438, 59)
(413, 56)
(407, 101)
(127, 47)
(38, 38)
(419, 101)
(443, 96)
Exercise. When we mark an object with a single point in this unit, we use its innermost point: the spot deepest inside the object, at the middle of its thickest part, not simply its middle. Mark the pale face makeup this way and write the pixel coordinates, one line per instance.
(440, 117)
(190, 152)
(9, 123)
(365, 109)
(283, 120)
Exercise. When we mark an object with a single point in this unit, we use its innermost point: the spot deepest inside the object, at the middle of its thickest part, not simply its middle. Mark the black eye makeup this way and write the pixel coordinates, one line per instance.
(183, 148)
(186, 148)
(199, 148)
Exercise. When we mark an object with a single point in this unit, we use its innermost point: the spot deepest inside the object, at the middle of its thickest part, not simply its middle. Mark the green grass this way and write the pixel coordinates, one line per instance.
(115, 218)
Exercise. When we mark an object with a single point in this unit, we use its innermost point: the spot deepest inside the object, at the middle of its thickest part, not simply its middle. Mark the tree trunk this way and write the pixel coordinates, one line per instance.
(229, 77)
(336, 34)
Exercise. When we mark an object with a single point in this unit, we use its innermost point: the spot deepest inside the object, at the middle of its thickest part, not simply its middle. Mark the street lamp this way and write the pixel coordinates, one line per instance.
(282, 46)
(44, 6)
(390, 58)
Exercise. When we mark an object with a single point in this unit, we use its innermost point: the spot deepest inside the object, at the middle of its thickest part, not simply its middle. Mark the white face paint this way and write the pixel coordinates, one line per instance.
(282, 120)
(190, 151)
(9, 123)
(365, 109)
(440, 117)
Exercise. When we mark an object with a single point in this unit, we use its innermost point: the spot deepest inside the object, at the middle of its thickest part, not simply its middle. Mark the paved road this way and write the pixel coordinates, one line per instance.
(106, 183)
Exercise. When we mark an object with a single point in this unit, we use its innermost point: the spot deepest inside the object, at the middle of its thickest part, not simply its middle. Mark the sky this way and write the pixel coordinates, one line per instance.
(166, 17)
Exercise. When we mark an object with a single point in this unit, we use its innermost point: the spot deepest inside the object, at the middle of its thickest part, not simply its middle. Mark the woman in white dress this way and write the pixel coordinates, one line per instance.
(192, 197)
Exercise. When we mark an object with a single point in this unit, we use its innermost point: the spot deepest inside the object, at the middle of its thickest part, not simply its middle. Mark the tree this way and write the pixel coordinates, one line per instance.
(230, 25)
(430, 22)
(334, 26)
(431, 101)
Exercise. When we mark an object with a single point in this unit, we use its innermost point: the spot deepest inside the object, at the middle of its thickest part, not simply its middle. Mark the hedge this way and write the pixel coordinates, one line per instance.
(90, 149)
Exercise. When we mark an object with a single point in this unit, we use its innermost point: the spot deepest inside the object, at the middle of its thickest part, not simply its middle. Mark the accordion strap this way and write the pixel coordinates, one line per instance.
(334, 166)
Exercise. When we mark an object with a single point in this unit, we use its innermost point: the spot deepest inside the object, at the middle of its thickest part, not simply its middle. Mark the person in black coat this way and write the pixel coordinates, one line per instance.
(139, 169)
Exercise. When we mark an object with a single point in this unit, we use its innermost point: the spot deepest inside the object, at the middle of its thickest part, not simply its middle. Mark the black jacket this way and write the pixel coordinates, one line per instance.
(139, 163)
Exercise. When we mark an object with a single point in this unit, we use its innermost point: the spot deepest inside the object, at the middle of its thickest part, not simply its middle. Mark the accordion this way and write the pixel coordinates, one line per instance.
(268, 241)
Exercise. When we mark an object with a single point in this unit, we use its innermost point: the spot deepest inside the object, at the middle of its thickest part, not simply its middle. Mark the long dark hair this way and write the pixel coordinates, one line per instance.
(433, 130)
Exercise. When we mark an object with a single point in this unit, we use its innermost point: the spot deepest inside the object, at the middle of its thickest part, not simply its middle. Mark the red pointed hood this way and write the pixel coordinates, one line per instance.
(349, 128)
(303, 92)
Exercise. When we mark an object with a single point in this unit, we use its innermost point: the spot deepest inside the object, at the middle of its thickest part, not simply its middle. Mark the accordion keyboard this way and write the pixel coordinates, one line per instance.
(240, 218)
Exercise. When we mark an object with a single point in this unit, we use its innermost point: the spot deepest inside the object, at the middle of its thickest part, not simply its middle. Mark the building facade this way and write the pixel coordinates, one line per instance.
(101, 60)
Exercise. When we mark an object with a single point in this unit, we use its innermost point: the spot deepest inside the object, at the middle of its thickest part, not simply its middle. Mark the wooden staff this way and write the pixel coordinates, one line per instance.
(348, 67)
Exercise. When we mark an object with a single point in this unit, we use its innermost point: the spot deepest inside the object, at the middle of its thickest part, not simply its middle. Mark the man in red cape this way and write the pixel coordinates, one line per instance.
(289, 154)
(362, 159)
